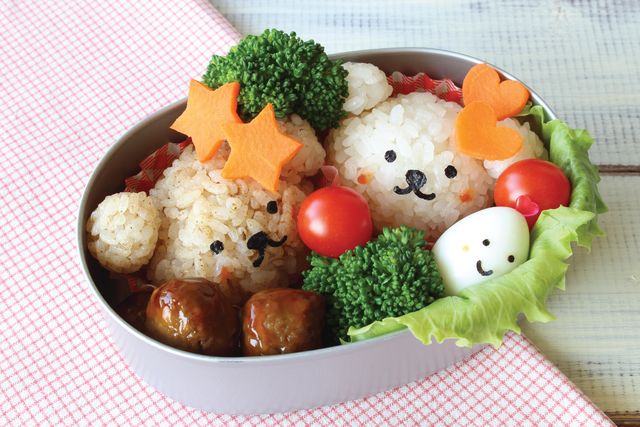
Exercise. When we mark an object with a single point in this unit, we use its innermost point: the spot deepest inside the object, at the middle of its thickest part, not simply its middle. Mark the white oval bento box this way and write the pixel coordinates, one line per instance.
(268, 384)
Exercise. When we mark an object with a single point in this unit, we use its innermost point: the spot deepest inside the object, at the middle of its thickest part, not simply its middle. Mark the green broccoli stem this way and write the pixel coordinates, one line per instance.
(293, 75)
(388, 277)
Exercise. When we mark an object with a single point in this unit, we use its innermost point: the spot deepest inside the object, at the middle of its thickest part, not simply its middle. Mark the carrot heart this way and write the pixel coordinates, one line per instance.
(482, 83)
(476, 134)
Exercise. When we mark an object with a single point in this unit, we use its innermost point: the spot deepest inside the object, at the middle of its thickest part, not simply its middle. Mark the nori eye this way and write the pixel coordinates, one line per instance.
(217, 247)
(486, 242)
(450, 172)
(511, 258)
(272, 207)
(390, 156)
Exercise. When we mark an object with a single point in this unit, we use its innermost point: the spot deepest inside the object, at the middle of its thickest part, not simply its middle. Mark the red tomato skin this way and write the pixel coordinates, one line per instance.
(333, 220)
(544, 182)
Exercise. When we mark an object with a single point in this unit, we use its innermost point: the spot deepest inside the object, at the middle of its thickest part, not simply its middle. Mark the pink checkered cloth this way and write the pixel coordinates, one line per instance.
(73, 77)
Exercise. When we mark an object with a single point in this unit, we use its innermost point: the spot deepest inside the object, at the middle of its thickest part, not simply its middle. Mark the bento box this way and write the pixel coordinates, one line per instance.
(268, 384)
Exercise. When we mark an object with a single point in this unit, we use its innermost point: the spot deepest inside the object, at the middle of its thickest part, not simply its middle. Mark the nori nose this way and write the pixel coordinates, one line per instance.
(415, 181)
(259, 242)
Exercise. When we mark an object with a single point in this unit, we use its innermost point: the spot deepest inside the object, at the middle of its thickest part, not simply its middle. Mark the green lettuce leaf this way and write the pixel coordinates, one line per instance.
(568, 148)
(484, 312)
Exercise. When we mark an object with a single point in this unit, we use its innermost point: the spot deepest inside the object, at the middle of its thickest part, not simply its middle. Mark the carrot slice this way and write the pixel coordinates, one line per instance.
(476, 134)
(482, 83)
(258, 150)
(206, 111)
(470, 77)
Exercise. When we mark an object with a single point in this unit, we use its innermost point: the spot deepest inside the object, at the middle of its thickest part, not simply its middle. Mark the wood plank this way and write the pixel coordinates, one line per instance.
(623, 420)
(618, 169)
(596, 339)
(579, 56)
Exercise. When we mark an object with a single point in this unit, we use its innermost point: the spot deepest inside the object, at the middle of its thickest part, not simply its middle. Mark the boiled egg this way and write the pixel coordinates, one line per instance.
(482, 246)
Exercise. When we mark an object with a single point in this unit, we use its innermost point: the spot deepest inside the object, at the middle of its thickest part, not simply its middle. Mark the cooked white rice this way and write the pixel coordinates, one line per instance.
(367, 87)
(532, 148)
(197, 207)
(417, 127)
(310, 157)
(123, 232)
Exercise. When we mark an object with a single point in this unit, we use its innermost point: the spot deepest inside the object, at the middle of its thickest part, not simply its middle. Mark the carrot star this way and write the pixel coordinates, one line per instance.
(258, 150)
(206, 111)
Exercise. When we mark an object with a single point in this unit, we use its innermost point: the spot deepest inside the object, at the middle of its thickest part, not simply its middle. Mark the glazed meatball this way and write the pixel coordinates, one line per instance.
(282, 320)
(191, 314)
(133, 309)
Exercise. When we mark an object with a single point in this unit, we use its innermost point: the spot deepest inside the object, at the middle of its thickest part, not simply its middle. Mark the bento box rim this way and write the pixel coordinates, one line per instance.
(537, 100)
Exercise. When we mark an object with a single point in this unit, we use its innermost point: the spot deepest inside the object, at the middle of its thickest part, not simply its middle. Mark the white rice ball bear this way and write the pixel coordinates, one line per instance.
(400, 156)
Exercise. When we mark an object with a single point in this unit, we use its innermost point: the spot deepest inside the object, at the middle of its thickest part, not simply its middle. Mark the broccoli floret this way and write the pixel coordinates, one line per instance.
(294, 75)
(387, 277)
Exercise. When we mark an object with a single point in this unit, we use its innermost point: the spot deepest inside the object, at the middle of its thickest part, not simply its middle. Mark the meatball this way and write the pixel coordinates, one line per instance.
(133, 309)
(192, 314)
(282, 320)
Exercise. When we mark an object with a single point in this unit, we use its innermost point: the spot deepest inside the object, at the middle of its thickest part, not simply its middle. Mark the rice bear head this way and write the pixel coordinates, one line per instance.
(401, 158)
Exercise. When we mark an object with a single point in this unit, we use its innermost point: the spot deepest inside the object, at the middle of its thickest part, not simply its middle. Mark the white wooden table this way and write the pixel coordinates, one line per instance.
(583, 59)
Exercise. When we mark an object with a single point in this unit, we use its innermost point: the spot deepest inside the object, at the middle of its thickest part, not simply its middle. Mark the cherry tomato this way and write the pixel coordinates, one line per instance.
(544, 183)
(333, 220)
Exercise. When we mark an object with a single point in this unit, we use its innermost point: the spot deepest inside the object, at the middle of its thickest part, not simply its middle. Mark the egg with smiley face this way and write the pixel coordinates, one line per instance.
(482, 246)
